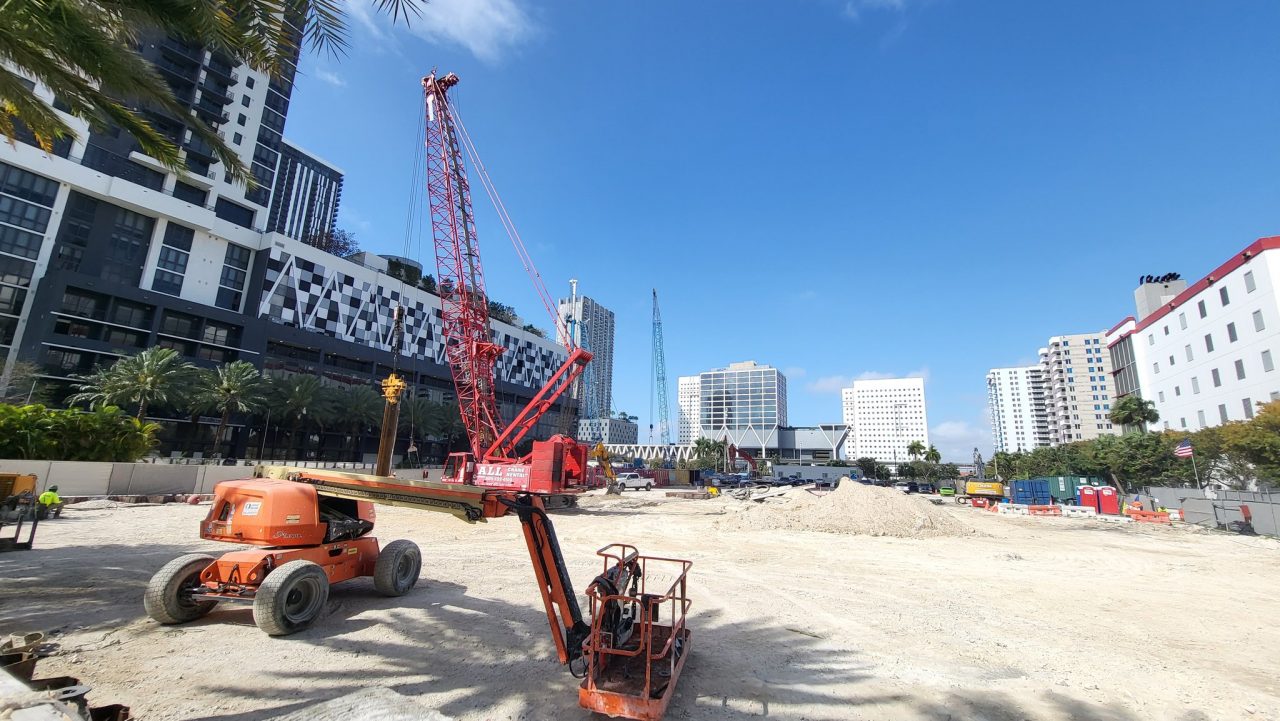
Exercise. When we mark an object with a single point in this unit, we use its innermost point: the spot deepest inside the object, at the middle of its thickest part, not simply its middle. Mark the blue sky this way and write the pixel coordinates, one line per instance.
(838, 189)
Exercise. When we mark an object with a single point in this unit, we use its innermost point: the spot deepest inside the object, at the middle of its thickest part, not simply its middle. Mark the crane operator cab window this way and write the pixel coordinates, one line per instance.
(459, 468)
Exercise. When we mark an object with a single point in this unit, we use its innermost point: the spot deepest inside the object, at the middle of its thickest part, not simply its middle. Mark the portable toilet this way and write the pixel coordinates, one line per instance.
(1108, 501)
(1088, 497)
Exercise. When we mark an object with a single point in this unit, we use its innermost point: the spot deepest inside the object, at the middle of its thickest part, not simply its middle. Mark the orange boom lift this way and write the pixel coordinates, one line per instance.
(306, 529)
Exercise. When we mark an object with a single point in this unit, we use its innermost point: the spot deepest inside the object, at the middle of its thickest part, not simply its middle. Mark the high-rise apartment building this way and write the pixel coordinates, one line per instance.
(106, 252)
(744, 402)
(1205, 353)
(1016, 403)
(1078, 386)
(304, 201)
(593, 328)
(884, 416)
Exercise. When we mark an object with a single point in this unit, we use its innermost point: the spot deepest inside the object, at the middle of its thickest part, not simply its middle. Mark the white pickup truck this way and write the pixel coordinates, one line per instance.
(634, 480)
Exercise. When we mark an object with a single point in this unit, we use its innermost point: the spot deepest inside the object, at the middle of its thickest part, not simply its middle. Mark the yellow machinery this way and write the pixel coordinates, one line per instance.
(15, 484)
(602, 456)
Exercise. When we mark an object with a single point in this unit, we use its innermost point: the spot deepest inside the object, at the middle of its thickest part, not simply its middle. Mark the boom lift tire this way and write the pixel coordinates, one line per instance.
(168, 592)
(291, 598)
(397, 569)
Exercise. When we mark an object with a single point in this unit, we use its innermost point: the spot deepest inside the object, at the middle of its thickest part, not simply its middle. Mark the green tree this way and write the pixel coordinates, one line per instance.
(302, 399)
(85, 52)
(883, 472)
(1258, 441)
(503, 312)
(156, 376)
(361, 407)
(1133, 413)
(707, 454)
(235, 387)
(915, 449)
(103, 434)
(932, 455)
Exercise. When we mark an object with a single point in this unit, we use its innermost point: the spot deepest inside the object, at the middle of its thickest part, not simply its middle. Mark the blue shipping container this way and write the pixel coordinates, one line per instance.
(1034, 492)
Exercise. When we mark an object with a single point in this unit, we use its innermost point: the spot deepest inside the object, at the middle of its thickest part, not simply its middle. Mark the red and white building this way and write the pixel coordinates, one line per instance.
(1205, 353)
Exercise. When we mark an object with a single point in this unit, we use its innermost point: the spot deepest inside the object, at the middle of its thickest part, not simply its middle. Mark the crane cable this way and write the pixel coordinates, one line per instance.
(412, 233)
(521, 251)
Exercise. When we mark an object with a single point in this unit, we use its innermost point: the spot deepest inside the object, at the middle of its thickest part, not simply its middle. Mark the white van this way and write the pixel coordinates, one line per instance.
(634, 480)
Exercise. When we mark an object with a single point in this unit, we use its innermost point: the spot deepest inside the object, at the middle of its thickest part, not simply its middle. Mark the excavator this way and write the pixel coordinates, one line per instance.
(301, 530)
(600, 455)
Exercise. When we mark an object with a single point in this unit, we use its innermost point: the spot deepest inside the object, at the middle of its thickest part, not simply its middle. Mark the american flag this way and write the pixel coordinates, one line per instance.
(1183, 450)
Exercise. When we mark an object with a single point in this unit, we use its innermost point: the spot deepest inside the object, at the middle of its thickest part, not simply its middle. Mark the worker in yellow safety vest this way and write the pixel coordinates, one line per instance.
(50, 502)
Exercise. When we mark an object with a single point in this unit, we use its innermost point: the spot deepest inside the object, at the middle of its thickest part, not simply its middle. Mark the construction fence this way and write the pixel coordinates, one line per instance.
(1213, 508)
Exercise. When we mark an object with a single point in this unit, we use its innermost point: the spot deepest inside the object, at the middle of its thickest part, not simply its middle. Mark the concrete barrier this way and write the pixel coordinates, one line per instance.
(1114, 519)
(78, 478)
(1079, 511)
(1012, 509)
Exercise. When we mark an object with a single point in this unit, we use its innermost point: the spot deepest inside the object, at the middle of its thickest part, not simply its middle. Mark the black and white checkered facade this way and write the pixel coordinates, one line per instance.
(304, 294)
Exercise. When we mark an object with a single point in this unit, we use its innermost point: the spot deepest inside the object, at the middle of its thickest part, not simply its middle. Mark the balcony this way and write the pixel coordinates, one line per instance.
(179, 49)
(221, 66)
(211, 112)
(213, 92)
(202, 150)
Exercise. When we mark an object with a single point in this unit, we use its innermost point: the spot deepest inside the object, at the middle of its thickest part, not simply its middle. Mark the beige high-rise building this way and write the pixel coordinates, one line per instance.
(1079, 388)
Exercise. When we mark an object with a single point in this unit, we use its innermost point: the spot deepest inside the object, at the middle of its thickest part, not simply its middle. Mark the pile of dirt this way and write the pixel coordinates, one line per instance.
(852, 509)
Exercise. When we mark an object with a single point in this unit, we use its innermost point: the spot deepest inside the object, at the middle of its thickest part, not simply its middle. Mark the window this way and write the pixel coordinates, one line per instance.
(1177, 390)
(1222, 412)
(1231, 333)
(127, 247)
(1151, 340)
(19, 242)
(231, 283)
(1182, 321)
(237, 138)
(132, 315)
(1248, 407)
(1208, 342)
(1183, 421)
(1187, 348)
(1166, 330)
(248, 82)
(1217, 378)
(241, 120)
(1155, 367)
(1240, 370)
(189, 193)
(1249, 285)
(23, 214)
(1200, 417)
(1222, 294)
(244, 100)
(1258, 324)
(1195, 385)
(178, 324)
(1267, 364)
(27, 186)
(1161, 394)
(1203, 311)
(1170, 361)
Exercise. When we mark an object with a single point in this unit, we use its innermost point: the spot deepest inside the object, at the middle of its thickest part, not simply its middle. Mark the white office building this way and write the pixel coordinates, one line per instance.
(1016, 403)
(1078, 387)
(688, 400)
(592, 326)
(745, 402)
(1207, 355)
(884, 416)
(608, 431)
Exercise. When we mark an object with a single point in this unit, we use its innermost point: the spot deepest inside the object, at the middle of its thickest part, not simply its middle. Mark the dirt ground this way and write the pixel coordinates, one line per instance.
(1030, 618)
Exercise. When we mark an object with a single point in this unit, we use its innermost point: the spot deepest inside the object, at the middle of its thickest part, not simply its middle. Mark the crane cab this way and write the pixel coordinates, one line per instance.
(459, 468)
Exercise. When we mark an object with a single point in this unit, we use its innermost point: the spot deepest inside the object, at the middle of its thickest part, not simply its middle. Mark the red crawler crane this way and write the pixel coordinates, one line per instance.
(556, 466)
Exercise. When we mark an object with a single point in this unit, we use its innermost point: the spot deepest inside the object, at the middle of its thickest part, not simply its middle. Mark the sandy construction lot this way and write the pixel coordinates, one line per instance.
(1027, 618)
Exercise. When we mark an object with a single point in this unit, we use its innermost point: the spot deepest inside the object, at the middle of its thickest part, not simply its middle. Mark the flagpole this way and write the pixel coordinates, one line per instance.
(1193, 468)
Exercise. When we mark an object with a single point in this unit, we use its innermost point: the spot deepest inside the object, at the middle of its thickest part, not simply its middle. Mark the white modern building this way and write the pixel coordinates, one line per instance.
(608, 431)
(592, 327)
(688, 401)
(1207, 355)
(1016, 403)
(744, 402)
(1078, 387)
(884, 416)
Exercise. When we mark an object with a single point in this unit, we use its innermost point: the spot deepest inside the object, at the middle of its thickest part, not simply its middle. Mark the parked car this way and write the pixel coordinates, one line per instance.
(928, 488)
(634, 480)
(907, 486)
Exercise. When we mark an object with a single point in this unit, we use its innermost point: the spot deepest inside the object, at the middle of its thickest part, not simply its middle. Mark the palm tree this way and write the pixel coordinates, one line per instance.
(710, 453)
(362, 407)
(932, 455)
(1134, 412)
(300, 398)
(915, 449)
(232, 388)
(154, 376)
(85, 51)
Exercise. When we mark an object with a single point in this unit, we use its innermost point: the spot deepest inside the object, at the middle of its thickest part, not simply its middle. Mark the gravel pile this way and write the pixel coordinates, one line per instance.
(852, 509)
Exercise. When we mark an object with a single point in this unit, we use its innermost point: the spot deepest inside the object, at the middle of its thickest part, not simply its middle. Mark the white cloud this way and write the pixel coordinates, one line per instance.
(793, 372)
(488, 28)
(956, 440)
(331, 78)
(830, 384)
(854, 9)
(833, 384)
